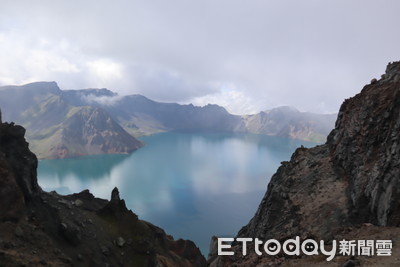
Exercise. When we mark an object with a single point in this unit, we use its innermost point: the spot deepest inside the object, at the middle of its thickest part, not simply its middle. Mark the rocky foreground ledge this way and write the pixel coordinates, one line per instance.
(346, 188)
(46, 229)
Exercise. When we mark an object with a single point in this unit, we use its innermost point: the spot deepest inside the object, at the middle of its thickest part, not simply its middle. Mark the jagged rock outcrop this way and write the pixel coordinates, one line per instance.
(39, 228)
(365, 150)
(359, 165)
(350, 180)
(18, 166)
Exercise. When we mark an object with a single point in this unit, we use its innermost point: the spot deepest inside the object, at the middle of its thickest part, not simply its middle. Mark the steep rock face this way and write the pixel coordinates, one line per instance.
(353, 178)
(19, 163)
(365, 149)
(305, 198)
(350, 180)
(11, 196)
(39, 228)
(18, 182)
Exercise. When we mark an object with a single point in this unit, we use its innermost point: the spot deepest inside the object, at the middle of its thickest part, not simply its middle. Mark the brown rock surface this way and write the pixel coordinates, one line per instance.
(350, 180)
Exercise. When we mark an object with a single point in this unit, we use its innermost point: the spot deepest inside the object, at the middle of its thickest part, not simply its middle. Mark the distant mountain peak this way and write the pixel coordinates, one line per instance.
(38, 87)
(42, 83)
(282, 109)
(215, 107)
(95, 91)
(38, 109)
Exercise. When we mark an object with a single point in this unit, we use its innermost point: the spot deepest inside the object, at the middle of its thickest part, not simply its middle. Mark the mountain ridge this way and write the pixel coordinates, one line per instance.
(45, 110)
(236, 123)
(54, 127)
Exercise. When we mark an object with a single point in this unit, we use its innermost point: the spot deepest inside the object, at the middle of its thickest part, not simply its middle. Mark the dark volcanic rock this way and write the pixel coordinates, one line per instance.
(365, 150)
(352, 179)
(18, 183)
(116, 207)
(11, 196)
(305, 198)
(21, 160)
(39, 228)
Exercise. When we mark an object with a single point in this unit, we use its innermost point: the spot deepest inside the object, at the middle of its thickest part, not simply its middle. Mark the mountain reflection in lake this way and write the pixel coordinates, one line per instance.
(192, 185)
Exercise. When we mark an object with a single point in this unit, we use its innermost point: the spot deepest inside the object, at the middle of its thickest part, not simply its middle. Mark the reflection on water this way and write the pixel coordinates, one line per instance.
(68, 176)
(192, 185)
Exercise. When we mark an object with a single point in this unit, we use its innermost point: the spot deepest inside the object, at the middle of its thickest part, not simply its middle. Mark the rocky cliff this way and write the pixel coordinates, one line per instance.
(46, 229)
(351, 180)
(18, 184)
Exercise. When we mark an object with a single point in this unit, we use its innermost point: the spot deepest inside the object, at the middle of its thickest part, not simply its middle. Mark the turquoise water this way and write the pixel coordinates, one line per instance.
(192, 185)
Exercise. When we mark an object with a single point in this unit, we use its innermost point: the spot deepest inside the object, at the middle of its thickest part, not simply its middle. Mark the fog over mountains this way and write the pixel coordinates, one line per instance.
(68, 123)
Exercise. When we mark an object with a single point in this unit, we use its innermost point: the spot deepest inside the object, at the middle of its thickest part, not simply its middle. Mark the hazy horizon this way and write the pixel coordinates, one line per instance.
(246, 57)
(104, 100)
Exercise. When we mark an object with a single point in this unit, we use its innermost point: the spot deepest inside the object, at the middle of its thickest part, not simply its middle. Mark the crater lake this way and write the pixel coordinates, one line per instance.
(193, 185)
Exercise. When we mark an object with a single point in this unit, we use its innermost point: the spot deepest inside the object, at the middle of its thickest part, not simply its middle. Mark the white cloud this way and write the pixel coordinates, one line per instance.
(103, 72)
(102, 100)
(48, 62)
(41, 60)
(230, 97)
(271, 52)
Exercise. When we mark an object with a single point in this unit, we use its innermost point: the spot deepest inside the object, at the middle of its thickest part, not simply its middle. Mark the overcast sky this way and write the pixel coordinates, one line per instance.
(245, 55)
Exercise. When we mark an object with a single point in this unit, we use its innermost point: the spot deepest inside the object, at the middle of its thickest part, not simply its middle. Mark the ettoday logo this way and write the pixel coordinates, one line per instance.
(294, 247)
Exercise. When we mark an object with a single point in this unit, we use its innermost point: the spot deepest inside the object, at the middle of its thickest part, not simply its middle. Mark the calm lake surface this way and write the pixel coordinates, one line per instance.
(192, 185)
